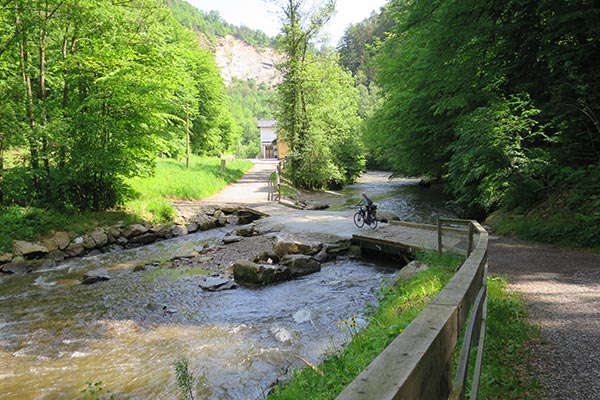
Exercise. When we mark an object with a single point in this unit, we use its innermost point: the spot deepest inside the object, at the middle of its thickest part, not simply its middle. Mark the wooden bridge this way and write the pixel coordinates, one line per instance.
(400, 238)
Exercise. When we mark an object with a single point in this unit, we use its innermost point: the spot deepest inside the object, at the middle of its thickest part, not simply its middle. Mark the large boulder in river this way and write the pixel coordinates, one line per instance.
(29, 250)
(288, 244)
(96, 275)
(247, 272)
(17, 266)
(300, 264)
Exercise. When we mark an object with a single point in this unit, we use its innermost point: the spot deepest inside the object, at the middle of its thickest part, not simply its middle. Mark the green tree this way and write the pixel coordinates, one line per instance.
(97, 90)
(448, 64)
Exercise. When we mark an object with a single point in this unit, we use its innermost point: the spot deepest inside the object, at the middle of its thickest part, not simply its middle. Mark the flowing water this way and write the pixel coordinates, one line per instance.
(404, 197)
(56, 334)
(128, 332)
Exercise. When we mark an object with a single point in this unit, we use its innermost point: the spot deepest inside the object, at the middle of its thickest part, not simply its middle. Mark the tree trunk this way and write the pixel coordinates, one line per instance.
(24, 62)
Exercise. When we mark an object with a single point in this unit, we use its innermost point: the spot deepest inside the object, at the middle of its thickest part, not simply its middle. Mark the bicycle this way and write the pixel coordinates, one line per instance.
(362, 217)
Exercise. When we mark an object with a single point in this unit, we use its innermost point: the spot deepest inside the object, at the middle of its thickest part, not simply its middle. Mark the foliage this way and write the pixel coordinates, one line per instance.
(250, 102)
(398, 306)
(495, 156)
(318, 122)
(95, 391)
(213, 26)
(185, 380)
(458, 73)
(505, 373)
(114, 84)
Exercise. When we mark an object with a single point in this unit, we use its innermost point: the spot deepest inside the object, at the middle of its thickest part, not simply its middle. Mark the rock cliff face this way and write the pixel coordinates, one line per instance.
(237, 59)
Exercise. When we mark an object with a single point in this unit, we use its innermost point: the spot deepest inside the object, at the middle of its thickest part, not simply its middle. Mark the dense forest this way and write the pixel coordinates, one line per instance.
(499, 99)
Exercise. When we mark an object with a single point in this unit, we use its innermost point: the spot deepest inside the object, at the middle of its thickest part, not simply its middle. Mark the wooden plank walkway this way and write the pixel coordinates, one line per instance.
(400, 238)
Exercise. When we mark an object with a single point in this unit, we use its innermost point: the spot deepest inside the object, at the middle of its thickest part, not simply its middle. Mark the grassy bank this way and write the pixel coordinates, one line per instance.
(151, 202)
(560, 227)
(505, 369)
(398, 306)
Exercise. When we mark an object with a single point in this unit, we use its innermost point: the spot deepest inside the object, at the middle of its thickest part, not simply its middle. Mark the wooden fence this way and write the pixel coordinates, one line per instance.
(418, 364)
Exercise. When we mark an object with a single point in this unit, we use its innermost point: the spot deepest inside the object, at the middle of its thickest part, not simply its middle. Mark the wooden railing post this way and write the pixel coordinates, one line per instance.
(439, 234)
(470, 239)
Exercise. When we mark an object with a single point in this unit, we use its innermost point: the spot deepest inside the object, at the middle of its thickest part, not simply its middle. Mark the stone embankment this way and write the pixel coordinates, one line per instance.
(27, 257)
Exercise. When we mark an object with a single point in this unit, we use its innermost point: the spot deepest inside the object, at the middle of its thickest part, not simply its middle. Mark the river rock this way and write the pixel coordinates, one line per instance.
(56, 255)
(5, 257)
(387, 216)
(216, 284)
(300, 265)
(281, 334)
(287, 244)
(48, 264)
(96, 275)
(134, 230)
(266, 257)
(179, 230)
(411, 269)
(205, 222)
(248, 215)
(29, 250)
(246, 230)
(192, 227)
(145, 238)
(100, 237)
(220, 218)
(228, 239)
(74, 249)
(245, 271)
(58, 241)
(18, 266)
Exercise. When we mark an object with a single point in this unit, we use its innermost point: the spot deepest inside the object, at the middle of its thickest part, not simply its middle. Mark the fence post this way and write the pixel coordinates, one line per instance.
(439, 234)
(470, 239)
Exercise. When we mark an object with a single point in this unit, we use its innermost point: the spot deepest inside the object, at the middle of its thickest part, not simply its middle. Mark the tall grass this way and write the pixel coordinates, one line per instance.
(506, 372)
(173, 181)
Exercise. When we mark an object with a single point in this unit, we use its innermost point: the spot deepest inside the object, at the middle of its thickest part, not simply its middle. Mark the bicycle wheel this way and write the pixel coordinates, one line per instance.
(372, 222)
(359, 220)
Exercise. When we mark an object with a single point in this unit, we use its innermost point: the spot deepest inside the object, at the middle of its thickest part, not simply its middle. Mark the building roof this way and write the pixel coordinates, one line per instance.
(266, 123)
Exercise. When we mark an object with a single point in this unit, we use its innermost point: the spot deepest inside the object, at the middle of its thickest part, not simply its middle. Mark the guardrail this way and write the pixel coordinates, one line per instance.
(418, 363)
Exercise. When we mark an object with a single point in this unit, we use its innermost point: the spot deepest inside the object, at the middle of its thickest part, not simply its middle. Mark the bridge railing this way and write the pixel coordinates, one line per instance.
(418, 364)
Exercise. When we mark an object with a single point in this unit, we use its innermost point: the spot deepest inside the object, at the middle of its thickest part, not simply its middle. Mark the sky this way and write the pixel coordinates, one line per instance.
(262, 14)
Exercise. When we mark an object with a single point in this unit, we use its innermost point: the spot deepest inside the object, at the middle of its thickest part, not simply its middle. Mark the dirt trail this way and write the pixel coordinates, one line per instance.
(561, 290)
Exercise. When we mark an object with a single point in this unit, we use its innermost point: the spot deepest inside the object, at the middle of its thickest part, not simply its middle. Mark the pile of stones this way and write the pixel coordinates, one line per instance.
(27, 256)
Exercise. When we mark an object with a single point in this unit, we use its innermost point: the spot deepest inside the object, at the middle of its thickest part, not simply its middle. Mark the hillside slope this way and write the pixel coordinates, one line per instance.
(243, 61)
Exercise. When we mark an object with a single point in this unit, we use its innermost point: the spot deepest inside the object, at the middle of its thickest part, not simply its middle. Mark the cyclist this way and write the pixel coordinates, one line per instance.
(369, 206)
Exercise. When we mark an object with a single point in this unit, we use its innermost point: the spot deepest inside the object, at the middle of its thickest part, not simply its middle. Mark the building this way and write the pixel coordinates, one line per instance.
(271, 146)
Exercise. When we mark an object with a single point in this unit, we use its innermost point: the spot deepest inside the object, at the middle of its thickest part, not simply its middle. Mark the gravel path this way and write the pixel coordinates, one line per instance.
(561, 290)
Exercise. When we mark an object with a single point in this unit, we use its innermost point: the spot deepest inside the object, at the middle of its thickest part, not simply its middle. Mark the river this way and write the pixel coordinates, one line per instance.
(56, 334)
